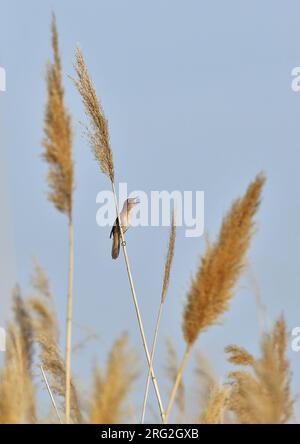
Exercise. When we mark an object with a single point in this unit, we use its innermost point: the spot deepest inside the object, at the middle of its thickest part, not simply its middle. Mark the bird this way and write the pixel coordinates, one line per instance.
(125, 217)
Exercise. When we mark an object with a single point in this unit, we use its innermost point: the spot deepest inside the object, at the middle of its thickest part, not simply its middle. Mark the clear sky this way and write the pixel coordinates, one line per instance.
(198, 97)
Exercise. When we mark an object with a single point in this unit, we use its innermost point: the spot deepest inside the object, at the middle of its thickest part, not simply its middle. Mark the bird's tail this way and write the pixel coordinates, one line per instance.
(115, 245)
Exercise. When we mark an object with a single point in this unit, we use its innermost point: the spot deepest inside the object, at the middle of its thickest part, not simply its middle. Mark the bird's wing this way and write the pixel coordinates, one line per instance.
(115, 245)
(115, 225)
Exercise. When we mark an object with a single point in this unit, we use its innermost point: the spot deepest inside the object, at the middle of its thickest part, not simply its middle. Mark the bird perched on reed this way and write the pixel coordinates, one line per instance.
(125, 217)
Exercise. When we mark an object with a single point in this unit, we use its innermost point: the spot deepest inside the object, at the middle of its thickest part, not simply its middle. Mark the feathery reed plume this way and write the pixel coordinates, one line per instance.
(54, 365)
(24, 331)
(50, 394)
(239, 355)
(58, 136)
(23, 321)
(221, 266)
(17, 394)
(98, 135)
(42, 305)
(213, 411)
(39, 281)
(46, 335)
(169, 258)
(110, 391)
(262, 395)
(166, 280)
(58, 154)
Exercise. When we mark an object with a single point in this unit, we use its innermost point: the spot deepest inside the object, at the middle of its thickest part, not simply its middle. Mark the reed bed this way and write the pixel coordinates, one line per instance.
(259, 392)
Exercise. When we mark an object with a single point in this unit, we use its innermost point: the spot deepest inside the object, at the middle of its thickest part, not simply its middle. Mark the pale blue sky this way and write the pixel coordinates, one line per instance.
(198, 97)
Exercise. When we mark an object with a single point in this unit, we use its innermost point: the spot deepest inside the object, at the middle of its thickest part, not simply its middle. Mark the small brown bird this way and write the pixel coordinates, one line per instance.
(125, 217)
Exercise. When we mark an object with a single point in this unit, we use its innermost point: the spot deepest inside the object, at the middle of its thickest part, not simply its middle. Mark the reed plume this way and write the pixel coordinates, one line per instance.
(54, 366)
(98, 135)
(58, 154)
(46, 336)
(17, 396)
(97, 131)
(166, 280)
(262, 393)
(214, 410)
(50, 394)
(41, 304)
(239, 355)
(169, 259)
(24, 338)
(25, 328)
(111, 390)
(221, 266)
(58, 135)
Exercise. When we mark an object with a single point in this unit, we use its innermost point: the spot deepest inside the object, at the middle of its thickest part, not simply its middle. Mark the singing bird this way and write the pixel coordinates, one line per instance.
(125, 217)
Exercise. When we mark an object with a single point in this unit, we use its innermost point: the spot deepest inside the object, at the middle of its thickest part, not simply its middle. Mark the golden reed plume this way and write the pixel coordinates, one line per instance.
(46, 336)
(98, 130)
(17, 393)
(214, 410)
(98, 135)
(221, 266)
(262, 394)
(58, 154)
(110, 390)
(58, 136)
(169, 258)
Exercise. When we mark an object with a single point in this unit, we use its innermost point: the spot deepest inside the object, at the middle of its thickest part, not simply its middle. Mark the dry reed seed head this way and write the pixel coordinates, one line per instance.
(244, 398)
(98, 133)
(17, 394)
(46, 336)
(39, 280)
(58, 136)
(43, 319)
(25, 328)
(169, 258)
(264, 395)
(239, 355)
(223, 261)
(54, 365)
(112, 387)
(41, 305)
(214, 410)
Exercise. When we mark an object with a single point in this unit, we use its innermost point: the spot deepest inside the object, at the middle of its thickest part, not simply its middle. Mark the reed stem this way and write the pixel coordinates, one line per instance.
(151, 361)
(69, 323)
(50, 394)
(141, 327)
